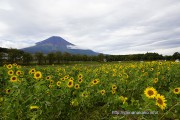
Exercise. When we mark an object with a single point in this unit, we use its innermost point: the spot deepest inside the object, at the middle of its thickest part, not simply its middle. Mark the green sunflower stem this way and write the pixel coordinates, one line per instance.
(169, 110)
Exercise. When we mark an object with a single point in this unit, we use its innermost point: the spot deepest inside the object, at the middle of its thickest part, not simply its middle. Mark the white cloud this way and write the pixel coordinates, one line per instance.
(115, 27)
(3, 28)
(4, 5)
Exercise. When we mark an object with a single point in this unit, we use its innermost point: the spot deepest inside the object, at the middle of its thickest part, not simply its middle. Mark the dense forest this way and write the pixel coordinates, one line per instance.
(21, 57)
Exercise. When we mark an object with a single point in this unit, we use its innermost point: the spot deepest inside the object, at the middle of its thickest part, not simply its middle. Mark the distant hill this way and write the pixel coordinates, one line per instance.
(56, 43)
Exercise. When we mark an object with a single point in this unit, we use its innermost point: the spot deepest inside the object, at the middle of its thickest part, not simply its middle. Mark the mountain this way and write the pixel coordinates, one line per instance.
(56, 43)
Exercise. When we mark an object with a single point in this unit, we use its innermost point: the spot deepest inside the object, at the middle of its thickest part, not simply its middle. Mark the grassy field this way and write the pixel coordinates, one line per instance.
(109, 91)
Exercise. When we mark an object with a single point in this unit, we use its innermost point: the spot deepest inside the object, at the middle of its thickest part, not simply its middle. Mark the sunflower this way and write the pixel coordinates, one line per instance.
(160, 63)
(127, 76)
(176, 90)
(80, 80)
(51, 82)
(150, 92)
(151, 69)
(48, 77)
(51, 86)
(14, 64)
(13, 78)
(94, 82)
(10, 72)
(18, 72)
(102, 92)
(71, 78)
(160, 101)
(34, 107)
(62, 79)
(113, 91)
(58, 83)
(123, 99)
(74, 102)
(4, 65)
(9, 66)
(33, 70)
(70, 83)
(60, 74)
(66, 77)
(155, 80)
(77, 86)
(84, 94)
(80, 76)
(145, 74)
(37, 75)
(8, 91)
(48, 93)
(18, 66)
(168, 68)
(158, 73)
(114, 74)
(114, 87)
(120, 75)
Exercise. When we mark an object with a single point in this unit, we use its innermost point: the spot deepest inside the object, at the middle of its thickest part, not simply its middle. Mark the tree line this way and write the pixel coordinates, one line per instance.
(21, 57)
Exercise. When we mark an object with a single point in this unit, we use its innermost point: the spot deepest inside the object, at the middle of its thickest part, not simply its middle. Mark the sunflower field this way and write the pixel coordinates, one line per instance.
(109, 91)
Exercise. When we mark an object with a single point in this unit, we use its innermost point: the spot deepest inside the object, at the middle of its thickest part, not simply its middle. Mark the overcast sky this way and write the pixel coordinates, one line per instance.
(107, 26)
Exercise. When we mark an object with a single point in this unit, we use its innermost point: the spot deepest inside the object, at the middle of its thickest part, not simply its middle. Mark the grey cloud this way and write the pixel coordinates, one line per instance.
(116, 27)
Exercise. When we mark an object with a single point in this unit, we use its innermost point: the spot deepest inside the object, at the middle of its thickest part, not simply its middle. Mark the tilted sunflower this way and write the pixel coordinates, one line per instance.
(94, 82)
(155, 80)
(37, 75)
(5, 66)
(18, 66)
(62, 79)
(85, 94)
(123, 99)
(51, 82)
(151, 69)
(176, 90)
(32, 71)
(150, 92)
(70, 83)
(51, 86)
(60, 74)
(13, 78)
(8, 91)
(113, 91)
(71, 78)
(114, 87)
(74, 102)
(22, 73)
(66, 77)
(34, 107)
(160, 101)
(14, 64)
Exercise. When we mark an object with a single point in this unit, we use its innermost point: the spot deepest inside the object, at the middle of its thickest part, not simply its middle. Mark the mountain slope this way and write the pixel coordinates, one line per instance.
(54, 44)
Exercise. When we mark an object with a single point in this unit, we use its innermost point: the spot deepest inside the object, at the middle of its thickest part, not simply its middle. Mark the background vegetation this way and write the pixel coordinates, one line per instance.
(23, 58)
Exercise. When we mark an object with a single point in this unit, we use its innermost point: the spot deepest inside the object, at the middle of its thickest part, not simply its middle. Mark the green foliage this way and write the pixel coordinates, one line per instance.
(53, 96)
